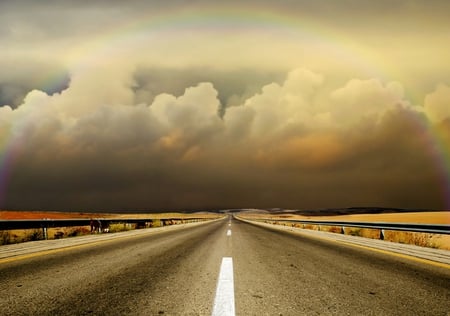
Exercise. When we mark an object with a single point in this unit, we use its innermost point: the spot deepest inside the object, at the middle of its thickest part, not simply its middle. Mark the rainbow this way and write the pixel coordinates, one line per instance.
(439, 151)
(11, 143)
(111, 44)
(436, 144)
(8, 155)
(6, 159)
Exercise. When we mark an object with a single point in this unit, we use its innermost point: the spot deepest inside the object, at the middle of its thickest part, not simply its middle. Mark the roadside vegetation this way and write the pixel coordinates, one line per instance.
(24, 235)
(438, 241)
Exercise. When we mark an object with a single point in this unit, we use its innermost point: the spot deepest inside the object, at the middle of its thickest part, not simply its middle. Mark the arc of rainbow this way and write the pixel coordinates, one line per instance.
(261, 19)
(7, 156)
(107, 45)
(437, 146)
(439, 150)
(9, 151)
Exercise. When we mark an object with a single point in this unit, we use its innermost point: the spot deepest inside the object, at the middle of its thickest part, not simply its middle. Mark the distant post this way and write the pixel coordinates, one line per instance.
(45, 229)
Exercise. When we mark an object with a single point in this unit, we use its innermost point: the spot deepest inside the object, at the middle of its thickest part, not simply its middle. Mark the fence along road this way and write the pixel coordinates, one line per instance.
(18, 251)
(176, 272)
(438, 257)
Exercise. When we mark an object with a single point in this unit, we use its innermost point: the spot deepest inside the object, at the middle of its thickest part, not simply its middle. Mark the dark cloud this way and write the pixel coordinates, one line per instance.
(16, 80)
(233, 86)
(113, 104)
(11, 94)
(177, 153)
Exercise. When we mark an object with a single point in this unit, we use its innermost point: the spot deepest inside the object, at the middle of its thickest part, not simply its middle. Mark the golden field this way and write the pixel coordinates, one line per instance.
(439, 241)
(22, 235)
(72, 215)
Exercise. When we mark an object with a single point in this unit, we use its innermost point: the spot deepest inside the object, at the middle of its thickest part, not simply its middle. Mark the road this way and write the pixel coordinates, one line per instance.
(176, 272)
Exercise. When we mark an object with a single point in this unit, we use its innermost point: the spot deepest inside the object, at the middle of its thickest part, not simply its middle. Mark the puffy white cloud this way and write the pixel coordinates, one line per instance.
(279, 107)
(5, 114)
(437, 103)
(93, 146)
(364, 99)
(197, 108)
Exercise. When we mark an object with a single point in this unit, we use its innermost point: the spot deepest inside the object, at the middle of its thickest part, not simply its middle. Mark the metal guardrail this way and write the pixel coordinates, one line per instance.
(50, 223)
(97, 225)
(421, 228)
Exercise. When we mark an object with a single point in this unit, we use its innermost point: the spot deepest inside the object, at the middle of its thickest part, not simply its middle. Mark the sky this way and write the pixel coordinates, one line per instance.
(177, 105)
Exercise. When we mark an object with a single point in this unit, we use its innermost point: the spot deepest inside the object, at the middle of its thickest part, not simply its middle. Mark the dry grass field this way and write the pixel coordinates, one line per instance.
(439, 241)
(65, 215)
(421, 239)
(22, 235)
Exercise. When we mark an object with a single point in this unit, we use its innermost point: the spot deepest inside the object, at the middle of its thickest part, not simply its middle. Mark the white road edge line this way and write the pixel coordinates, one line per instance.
(224, 300)
(229, 232)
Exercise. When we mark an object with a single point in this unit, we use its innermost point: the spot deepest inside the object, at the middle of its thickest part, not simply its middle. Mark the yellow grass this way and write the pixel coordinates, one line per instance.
(439, 241)
(413, 217)
(410, 217)
(64, 215)
(21, 235)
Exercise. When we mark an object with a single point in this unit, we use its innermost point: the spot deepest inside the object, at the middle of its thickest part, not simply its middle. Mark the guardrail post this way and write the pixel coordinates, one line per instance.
(382, 234)
(45, 229)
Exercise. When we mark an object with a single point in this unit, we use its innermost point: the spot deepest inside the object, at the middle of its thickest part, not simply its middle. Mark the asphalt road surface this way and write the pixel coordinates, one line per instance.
(180, 272)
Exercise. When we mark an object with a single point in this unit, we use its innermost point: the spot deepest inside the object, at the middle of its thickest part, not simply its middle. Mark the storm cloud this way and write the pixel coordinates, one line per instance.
(293, 145)
(194, 105)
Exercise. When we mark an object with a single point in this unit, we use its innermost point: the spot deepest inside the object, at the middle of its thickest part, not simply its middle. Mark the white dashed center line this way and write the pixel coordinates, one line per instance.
(224, 301)
(229, 232)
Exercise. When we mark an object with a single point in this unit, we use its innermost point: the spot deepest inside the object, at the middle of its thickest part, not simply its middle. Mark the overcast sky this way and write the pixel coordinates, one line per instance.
(109, 105)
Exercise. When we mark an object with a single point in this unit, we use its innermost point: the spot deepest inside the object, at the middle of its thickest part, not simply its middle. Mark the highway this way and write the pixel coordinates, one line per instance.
(179, 271)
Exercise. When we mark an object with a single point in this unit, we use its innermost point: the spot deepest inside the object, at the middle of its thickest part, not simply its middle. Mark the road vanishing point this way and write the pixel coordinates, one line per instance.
(221, 267)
